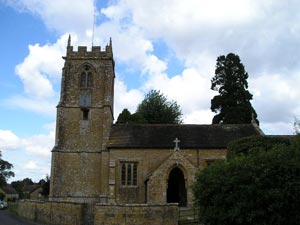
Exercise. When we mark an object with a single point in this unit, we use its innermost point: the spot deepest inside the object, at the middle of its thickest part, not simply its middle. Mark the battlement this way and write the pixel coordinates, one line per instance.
(95, 52)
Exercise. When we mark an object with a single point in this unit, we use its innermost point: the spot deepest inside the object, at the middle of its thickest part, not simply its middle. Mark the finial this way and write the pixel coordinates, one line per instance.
(110, 42)
(69, 40)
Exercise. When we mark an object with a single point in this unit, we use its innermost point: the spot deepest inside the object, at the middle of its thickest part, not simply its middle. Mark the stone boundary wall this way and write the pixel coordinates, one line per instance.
(136, 214)
(49, 212)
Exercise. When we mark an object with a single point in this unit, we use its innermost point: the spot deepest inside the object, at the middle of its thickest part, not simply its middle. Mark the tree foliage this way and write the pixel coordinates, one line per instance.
(154, 109)
(297, 125)
(19, 185)
(253, 144)
(232, 105)
(45, 184)
(124, 117)
(261, 188)
(5, 171)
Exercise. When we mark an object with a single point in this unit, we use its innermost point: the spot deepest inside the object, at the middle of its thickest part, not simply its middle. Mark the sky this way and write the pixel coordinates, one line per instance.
(167, 45)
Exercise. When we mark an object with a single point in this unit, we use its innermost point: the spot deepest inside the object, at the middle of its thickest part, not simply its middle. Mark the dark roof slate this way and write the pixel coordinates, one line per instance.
(30, 188)
(8, 189)
(190, 136)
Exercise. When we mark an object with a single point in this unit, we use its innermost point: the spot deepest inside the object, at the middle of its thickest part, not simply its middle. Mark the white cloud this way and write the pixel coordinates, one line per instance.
(31, 165)
(30, 156)
(172, 16)
(276, 97)
(62, 16)
(40, 67)
(278, 128)
(199, 117)
(40, 72)
(129, 44)
(125, 98)
(39, 145)
(32, 169)
(190, 89)
(8, 140)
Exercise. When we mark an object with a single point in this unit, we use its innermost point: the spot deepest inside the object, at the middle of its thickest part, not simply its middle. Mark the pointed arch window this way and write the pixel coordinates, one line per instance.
(86, 77)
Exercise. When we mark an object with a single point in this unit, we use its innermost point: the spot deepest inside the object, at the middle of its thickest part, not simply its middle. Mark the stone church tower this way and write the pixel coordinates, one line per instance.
(84, 120)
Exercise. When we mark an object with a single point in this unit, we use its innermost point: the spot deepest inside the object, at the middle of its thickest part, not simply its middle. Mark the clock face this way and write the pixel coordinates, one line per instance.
(85, 99)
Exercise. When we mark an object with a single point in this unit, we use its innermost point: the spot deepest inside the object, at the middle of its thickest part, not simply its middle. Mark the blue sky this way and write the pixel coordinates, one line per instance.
(169, 45)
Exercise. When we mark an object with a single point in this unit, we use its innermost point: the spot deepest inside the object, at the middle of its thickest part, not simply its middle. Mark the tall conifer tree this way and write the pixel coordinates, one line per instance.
(232, 105)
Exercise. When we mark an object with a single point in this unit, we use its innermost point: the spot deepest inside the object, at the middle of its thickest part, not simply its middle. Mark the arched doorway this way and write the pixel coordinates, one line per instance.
(176, 192)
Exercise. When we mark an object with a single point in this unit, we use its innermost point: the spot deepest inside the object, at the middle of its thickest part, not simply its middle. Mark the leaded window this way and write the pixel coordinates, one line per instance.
(129, 173)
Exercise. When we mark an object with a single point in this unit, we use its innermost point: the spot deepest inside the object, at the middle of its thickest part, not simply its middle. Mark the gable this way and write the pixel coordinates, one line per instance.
(215, 136)
(8, 189)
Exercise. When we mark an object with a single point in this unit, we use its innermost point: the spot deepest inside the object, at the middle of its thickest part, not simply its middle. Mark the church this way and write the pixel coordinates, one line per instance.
(97, 161)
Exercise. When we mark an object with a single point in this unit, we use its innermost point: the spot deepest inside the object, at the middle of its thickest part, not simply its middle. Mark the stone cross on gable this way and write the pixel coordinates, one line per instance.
(176, 141)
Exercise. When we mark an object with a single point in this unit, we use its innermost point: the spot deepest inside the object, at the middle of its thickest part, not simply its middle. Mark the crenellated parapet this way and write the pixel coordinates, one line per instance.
(95, 53)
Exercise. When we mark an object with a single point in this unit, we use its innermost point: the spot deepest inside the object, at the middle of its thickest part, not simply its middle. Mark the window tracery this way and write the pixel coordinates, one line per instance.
(86, 77)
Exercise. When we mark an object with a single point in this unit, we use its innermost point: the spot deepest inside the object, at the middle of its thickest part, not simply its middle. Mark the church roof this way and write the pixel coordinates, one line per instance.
(190, 136)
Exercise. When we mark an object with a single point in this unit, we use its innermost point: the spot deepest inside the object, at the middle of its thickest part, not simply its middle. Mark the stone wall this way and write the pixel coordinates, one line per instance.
(58, 213)
(136, 214)
(65, 213)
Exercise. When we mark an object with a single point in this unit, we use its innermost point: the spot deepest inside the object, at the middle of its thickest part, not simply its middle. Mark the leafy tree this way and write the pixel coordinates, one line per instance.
(154, 109)
(5, 171)
(19, 185)
(261, 188)
(125, 117)
(253, 144)
(233, 102)
(2, 196)
(45, 186)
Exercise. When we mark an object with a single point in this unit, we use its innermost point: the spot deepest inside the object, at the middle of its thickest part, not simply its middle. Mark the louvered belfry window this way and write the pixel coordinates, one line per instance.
(86, 77)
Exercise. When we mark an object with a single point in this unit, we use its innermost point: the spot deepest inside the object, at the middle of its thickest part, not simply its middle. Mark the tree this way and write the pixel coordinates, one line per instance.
(233, 102)
(297, 126)
(154, 109)
(19, 185)
(124, 117)
(253, 144)
(45, 184)
(257, 188)
(5, 171)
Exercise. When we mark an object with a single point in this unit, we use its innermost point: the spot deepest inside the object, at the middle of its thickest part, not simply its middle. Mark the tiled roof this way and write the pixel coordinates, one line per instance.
(30, 188)
(8, 189)
(190, 136)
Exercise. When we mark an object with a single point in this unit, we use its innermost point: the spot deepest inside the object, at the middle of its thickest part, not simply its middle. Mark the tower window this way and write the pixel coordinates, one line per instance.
(85, 114)
(86, 77)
